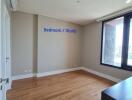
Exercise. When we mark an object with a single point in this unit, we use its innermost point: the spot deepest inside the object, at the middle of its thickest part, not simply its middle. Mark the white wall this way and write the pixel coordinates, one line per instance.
(37, 51)
(58, 50)
(91, 52)
(22, 43)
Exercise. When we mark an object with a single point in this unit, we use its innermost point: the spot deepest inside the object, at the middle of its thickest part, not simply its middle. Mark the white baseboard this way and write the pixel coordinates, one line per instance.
(22, 76)
(101, 74)
(45, 73)
(57, 72)
(67, 70)
(8, 87)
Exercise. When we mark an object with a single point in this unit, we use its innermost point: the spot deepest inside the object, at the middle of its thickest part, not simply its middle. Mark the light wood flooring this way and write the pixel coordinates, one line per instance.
(76, 85)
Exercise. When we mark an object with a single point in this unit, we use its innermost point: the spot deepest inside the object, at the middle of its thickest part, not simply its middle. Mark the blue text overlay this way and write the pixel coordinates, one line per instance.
(68, 30)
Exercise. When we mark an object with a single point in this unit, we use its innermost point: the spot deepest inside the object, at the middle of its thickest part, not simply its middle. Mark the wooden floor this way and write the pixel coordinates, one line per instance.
(77, 85)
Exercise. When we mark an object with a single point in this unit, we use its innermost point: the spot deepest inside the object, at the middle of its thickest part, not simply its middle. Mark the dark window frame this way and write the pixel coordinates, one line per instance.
(125, 43)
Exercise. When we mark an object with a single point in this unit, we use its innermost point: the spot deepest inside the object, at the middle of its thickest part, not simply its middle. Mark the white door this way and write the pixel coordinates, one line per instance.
(0, 54)
(7, 50)
(4, 51)
(1, 91)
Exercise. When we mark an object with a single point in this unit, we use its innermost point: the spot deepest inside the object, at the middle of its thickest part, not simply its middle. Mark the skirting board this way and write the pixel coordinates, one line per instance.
(45, 73)
(22, 76)
(101, 74)
(67, 70)
(57, 72)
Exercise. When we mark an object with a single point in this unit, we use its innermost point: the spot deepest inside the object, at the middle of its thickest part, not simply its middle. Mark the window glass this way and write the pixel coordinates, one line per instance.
(129, 61)
(112, 42)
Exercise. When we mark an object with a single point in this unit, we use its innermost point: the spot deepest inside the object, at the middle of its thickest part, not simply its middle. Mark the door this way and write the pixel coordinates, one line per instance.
(7, 51)
(1, 91)
(0, 55)
(5, 73)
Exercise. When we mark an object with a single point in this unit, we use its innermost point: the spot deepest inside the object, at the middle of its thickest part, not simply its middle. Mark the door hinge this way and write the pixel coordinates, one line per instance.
(1, 87)
(4, 80)
(7, 59)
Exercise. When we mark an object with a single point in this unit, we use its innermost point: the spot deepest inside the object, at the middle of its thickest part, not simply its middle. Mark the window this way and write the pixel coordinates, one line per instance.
(116, 45)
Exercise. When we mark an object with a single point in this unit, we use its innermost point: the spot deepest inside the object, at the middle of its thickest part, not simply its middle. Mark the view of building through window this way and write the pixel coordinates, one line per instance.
(112, 42)
(129, 61)
(118, 42)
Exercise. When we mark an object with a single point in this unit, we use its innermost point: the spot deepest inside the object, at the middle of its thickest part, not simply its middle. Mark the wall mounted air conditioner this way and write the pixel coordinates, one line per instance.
(14, 4)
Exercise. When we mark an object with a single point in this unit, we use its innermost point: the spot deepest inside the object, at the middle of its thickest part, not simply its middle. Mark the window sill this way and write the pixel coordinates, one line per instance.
(117, 67)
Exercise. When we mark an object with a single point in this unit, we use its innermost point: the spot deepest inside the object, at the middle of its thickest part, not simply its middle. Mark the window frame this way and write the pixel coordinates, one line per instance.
(125, 42)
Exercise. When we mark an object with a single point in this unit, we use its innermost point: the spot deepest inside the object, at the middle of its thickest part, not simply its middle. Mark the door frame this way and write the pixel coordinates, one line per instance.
(8, 49)
(2, 63)
(1, 94)
(5, 31)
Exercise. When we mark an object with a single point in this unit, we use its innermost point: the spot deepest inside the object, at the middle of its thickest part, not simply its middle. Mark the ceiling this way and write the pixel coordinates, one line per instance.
(76, 11)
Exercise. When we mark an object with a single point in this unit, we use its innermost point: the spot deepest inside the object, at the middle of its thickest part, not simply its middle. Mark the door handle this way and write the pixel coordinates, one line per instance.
(4, 80)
